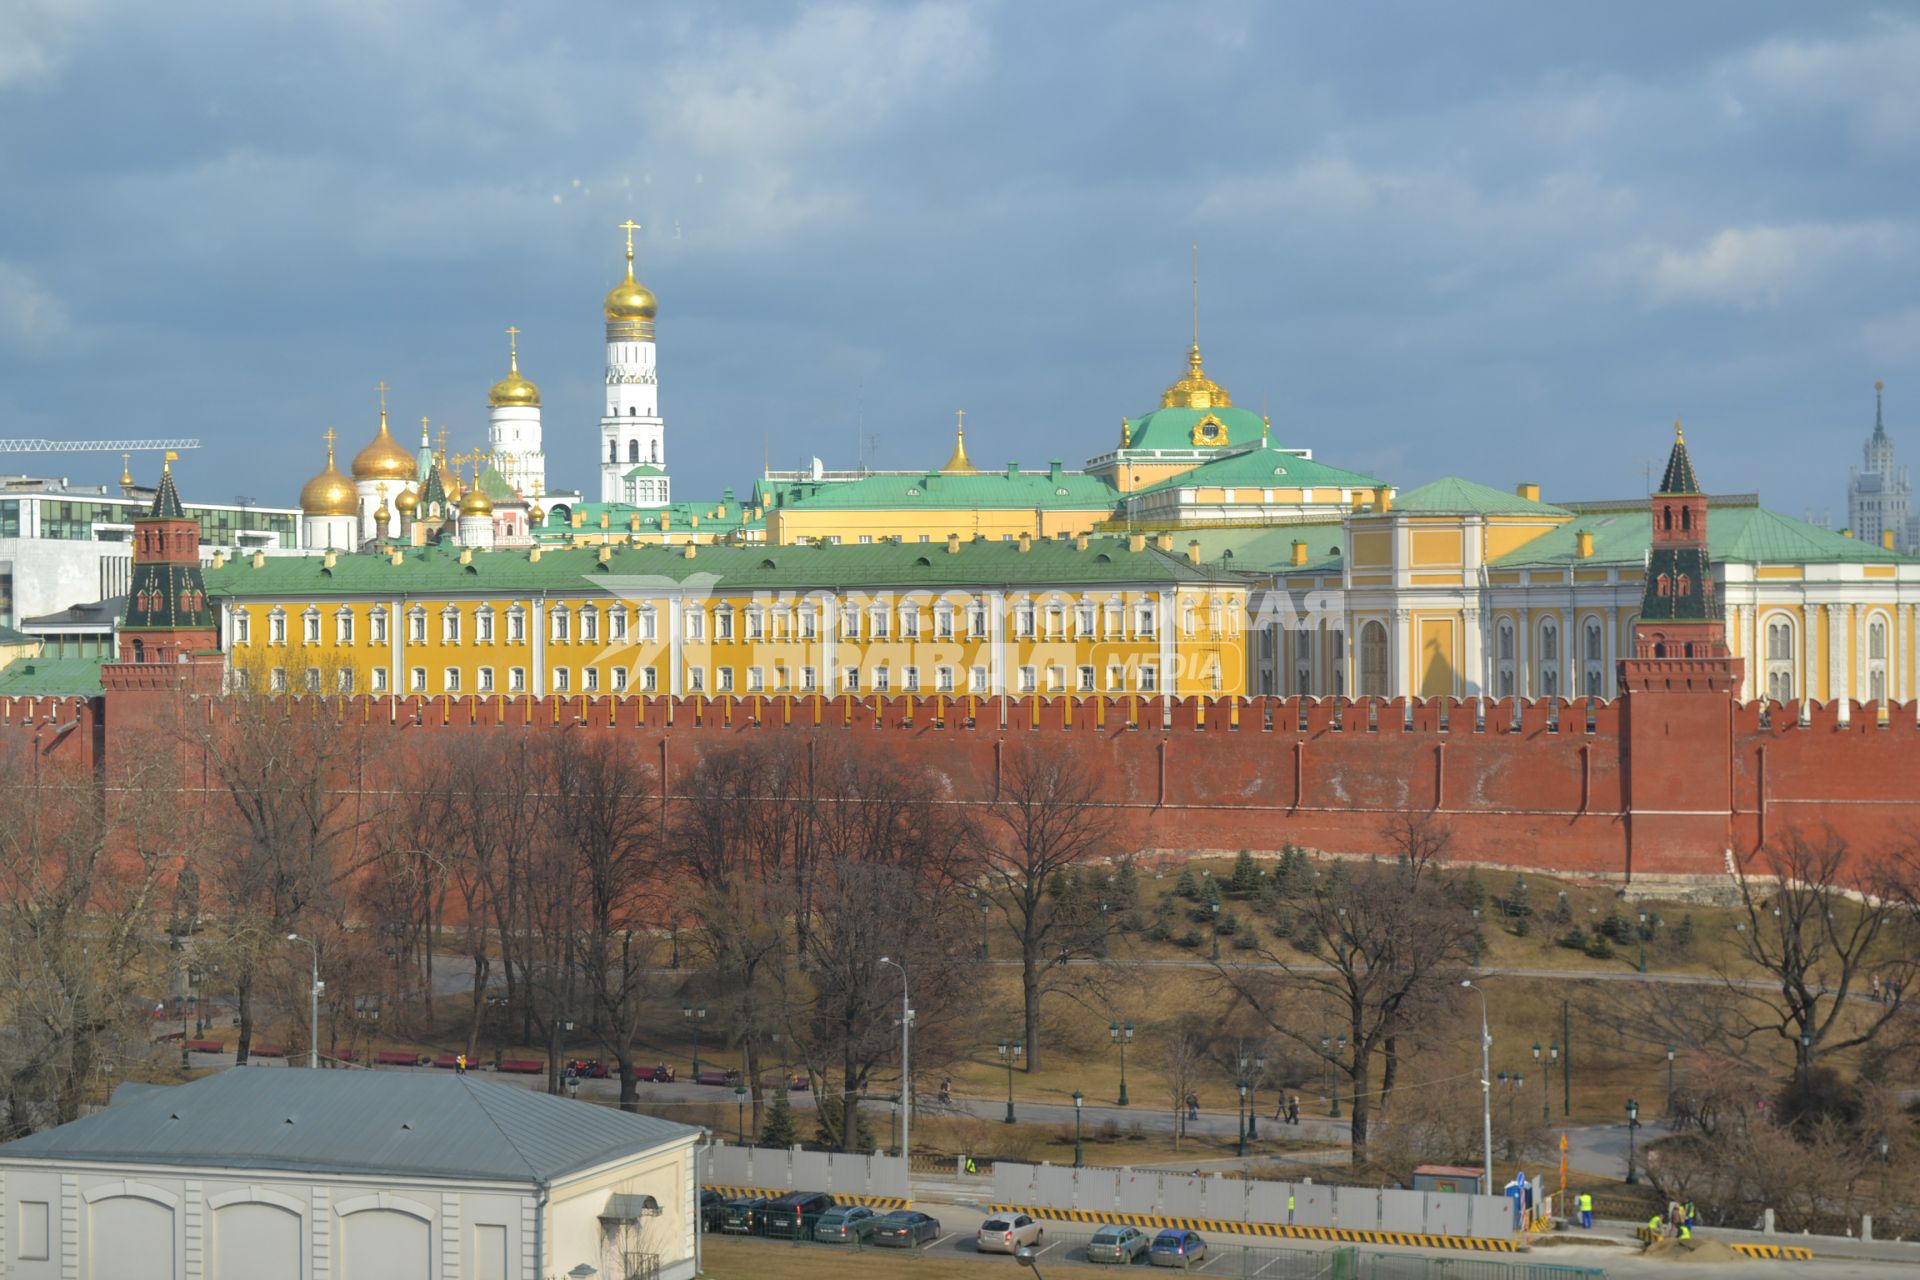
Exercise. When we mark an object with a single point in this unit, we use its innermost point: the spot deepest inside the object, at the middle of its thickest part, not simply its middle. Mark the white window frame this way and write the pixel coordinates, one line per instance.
(417, 625)
(377, 680)
(310, 625)
(450, 680)
(516, 625)
(343, 625)
(450, 625)
(483, 624)
(485, 680)
(416, 680)
(516, 679)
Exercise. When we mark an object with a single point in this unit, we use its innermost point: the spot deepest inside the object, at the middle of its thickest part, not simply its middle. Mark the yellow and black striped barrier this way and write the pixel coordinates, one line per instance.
(1778, 1252)
(871, 1202)
(1271, 1230)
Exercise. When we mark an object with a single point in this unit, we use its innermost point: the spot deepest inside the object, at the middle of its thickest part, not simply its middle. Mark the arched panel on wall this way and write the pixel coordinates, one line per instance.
(390, 1242)
(1503, 659)
(1876, 686)
(257, 1240)
(131, 1237)
(1593, 656)
(1547, 653)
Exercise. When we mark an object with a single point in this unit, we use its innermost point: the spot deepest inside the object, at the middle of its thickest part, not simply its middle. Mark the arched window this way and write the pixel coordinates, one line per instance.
(1550, 659)
(1685, 586)
(1686, 518)
(613, 451)
(1593, 665)
(1373, 660)
(1877, 660)
(1780, 655)
(1662, 586)
(1669, 515)
(1503, 650)
(633, 451)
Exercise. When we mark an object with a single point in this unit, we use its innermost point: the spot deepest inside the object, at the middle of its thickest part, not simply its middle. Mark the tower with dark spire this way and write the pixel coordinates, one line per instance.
(1680, 614)
(168, 618)
(1880, 494)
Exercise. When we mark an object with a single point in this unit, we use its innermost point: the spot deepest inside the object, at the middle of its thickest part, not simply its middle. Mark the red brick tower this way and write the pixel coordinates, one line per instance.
(1680, 687)
(168, 620)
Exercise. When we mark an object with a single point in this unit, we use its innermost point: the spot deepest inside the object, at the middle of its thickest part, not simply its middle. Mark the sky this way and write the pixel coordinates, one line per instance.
(1507, 241)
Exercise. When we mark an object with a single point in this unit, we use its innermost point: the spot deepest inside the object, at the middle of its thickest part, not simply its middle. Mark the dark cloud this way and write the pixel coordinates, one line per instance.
(1495, 239)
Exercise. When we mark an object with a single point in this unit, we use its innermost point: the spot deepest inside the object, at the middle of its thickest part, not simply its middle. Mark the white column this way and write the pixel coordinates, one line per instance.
(673, 623)
(996, 638)
(1838, 638)
(1165, 608)
(1808, 664)
(1522, 652)
(397, 645)
(537, 620)
(1473, 653)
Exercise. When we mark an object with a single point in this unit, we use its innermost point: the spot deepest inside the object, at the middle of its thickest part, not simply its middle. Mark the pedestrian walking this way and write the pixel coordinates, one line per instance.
(1586, 1210)
(460, 1065)
(1293, 1109)
(1193, 1106)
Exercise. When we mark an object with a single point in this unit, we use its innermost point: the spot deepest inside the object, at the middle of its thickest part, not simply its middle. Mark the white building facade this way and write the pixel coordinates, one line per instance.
(632, 433)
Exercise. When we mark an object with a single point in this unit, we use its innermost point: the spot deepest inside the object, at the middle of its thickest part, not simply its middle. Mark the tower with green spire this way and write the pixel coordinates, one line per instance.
(168, 618)
(1680, 595)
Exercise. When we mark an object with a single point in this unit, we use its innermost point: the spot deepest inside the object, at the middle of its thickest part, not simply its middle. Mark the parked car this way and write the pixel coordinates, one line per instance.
(1176, 1247)
(1118, 1244)
(662, 1074)
(713, 1211)
(794, 1213)
(846, 1225)
(742, 1216)
(905, 1228)
(1005, 1233)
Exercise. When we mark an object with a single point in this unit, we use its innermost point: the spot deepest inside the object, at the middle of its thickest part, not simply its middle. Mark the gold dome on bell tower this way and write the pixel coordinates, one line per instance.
(631, 303)
(515, 389)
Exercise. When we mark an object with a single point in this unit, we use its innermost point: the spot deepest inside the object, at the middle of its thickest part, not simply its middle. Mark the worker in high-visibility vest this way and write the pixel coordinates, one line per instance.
(1655, 1228)
(1686, 1232)
(1586, 1209)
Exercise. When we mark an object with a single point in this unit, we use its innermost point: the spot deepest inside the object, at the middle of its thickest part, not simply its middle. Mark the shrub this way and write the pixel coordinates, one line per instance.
(1246, 879)
(1683, 932)
(1132, 922)
(1599, 948)
(1158, 931)
(1192, 941)
(1188, 885)
(1229, 924)
(1210, 891)
(1245, 941)
(1574, 939)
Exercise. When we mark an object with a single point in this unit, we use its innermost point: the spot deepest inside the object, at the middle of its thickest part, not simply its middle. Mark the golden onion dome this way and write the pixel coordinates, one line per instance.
(329, 493)
(514, 390)
(380, 513)
(385, 458)
(630, 300)
(476, 503)
(1196, 390)
(407, 503)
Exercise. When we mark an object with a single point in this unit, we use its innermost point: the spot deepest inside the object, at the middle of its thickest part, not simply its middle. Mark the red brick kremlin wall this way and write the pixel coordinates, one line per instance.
(1550, 785)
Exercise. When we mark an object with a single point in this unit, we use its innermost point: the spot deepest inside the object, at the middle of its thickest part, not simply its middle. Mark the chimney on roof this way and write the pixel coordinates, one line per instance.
(219, 559)
(1080, 543)
(329, 560)
(533, 556)
(1013, 470)
(953, 544)
(1026, 543)
(1163, 541)
(1886, 539)
(1583, 544)
(1053, 470)
(259, 559)
(606, 553)
(690, 553)
(395, 558)
(466, 555)
(1528, 490)
(1383, 498)
(1193, 551)
(665, 520)
(1299, 552)
(1136, 542)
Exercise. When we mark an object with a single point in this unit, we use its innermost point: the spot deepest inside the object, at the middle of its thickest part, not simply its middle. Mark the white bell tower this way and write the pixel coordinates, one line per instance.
(632, 434)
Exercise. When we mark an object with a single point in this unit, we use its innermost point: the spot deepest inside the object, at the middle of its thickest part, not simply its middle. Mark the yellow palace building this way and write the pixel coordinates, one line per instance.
(1081, 616)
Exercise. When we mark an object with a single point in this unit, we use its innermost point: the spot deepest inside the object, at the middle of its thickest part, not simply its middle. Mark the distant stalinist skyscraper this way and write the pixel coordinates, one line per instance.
(1880, 496)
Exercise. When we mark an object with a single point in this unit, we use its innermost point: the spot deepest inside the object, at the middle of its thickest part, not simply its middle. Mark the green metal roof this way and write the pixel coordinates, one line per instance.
(1266, 468)
(495, 486)
(1173, 429)
(1054, 490)
(42, 677)
(644, 469)
(1740, 534)
(619, 515)
(1270, 549)
(436, 570)
(1451, 495)
(9, 636)
(1679, 477)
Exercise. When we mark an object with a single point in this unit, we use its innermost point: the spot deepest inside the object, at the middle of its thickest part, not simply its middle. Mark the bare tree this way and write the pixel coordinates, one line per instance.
(601, 802)
(1379, 946)
(1046, 824)
(293, 775)
(1183, 1059)
(81, 865)
(1818, 921)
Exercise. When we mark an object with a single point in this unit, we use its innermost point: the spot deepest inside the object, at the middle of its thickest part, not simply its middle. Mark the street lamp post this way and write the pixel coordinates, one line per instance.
(1011, 1050)
(1213, 909)
(695, 1015)
(739, 1114)
(1243, 1119)
(313, 1002)
(1633, 1123)
(1486, 1090)
(1670, 1054)
(1079, 1155)
(1643, 942)
(1341, 1043)
(906, 1074)
(1122, 1036)
(1251, 1069)
(1546, 1080)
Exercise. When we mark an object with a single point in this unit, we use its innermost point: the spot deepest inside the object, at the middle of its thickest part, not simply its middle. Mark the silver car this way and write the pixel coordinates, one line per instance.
(1117, 1244)
(1006, 1233)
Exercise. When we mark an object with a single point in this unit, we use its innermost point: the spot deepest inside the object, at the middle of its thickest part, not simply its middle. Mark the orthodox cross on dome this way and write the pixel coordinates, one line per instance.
(329, 435)
(629, 226)
(443, 442)
(513, 348)
(381, 387)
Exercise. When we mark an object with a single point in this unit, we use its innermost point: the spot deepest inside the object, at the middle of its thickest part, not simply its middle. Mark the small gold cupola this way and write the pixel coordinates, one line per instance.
(630, 306)
(385, 458)
(330, 493)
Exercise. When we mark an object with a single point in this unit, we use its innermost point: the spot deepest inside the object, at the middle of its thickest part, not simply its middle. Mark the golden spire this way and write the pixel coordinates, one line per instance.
(1679, 436)
(423, 431)
(959, 464)
(166, 463)
(126, 471)
(513, 348)
(1196, 295)
(329, 446)
(380, 513)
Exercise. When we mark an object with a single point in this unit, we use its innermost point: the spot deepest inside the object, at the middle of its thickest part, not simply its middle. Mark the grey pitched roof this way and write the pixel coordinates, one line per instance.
(377, 1122)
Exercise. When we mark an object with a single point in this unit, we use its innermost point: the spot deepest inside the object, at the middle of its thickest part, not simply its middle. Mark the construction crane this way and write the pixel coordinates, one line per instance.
(94, 446)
